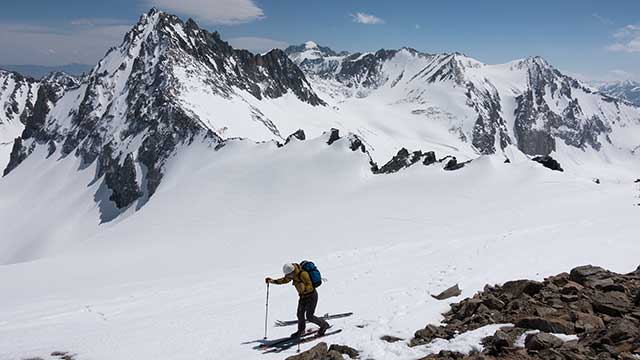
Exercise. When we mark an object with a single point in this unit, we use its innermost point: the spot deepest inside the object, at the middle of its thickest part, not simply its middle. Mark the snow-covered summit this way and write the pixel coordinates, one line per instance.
(525, 102)
(168, 83)
(171, 83)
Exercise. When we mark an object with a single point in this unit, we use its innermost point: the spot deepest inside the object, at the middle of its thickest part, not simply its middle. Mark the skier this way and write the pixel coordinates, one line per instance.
(308, 297)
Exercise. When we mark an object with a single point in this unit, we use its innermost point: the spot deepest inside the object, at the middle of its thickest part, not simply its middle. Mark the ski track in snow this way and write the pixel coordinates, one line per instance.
(182, 278)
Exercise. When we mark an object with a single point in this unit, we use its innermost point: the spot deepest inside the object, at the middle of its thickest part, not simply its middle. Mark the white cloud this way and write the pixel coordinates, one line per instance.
(602, 19)
(225, 12)
(79, 41)
(367, 19)
(610, 76)
(627, 40)
(417, 26)
(256, 44)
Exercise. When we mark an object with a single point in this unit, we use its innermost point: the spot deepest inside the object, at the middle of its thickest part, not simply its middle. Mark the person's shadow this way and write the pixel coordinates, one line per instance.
(263, 343)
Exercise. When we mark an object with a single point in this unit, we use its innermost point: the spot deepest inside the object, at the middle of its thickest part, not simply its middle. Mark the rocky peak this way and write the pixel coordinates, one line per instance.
(311, 50)
(135, 92)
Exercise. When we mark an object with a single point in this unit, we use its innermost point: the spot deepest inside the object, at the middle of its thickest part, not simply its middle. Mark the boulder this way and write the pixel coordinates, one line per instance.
(427, 334)
(390, 338)
(622, 329)
(468, 308)
(586, 322)
(493, 302)
(611, 303)
(571, 288)
(586, 273)
(499, 341)
(449, 293)
(453, 164)
(344, 350)
(334, 136)
(318, 352)
(429, 158)
(445, 355)
(518, 287)
(541, 341)
(548, 162)
(550, 325)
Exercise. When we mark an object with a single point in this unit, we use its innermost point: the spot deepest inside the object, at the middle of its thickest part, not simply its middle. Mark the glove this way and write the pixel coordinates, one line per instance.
(268, 280)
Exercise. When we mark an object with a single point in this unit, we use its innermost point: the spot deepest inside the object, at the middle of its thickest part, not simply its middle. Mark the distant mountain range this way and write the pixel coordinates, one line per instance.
(628, 90)
(40, 71)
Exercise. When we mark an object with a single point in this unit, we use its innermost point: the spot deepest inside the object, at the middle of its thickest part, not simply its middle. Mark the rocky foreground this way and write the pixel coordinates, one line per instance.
(599, 310)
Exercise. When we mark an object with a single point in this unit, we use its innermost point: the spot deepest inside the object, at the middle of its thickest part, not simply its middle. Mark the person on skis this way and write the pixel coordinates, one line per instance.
(308, 299)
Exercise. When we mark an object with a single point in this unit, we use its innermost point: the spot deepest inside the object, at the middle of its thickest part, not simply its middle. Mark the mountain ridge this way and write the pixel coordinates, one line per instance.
(170, 83)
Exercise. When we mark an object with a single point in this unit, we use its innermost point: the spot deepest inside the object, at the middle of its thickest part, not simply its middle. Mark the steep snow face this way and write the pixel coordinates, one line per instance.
(628, 90)
(17, 97)
(525, 102)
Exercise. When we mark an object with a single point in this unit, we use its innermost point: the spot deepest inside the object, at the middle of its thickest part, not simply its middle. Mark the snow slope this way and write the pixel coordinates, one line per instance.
(182, 277)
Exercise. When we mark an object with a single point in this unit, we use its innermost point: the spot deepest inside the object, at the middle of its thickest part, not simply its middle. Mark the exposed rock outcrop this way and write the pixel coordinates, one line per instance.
(600, 307)
(548, 162)
(322, 352)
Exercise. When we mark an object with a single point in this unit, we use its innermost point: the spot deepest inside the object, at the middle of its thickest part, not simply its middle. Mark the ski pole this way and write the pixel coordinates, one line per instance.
(266, 313)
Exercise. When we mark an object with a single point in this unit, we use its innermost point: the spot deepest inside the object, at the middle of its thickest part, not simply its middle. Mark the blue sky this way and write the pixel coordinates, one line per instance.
(591, 39)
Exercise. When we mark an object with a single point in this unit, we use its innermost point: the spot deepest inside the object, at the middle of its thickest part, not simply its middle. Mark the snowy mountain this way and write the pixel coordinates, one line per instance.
(17, 97)
(526, 102)
(166, 84)
(144, 203)
(41, 71)
(627, 90)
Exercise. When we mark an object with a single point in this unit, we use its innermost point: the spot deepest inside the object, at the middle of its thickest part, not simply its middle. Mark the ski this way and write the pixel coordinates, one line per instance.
(302, 340)
(280, 341)
(324, 317)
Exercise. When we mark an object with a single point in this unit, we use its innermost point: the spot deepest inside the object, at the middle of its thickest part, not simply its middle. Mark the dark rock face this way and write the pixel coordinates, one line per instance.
(299, 134)
(404, 159)
(121, 179)
(453, 164)
(334, 136)
(548, 162)
(537, 126)
(429, 158)
(18, 154)
(606, 319)
(400, 161)
(34, 126)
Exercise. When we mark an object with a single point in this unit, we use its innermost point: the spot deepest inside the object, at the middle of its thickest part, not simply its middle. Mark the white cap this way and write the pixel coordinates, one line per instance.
(287, 268)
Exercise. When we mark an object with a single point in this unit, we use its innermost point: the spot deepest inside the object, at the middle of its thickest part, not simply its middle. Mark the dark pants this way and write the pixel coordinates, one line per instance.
(306, 307)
